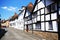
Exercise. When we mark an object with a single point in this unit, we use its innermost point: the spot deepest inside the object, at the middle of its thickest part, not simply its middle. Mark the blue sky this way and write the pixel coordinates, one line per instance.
(9, 7)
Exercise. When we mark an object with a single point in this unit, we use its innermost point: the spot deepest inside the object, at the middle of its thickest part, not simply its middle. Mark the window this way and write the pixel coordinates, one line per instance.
(59, 4)
(29, 17)
(42, 11)
(13, 23)
(34, 26)
(34, 15)
(38, 18)
(59, 11)
(40, 0)
(41, 5)
(53, 7)
(30, 21)
(10, 24)
(47, 17)
(42, 18)
(48, 2)
(47, 9)
(38, 13)
(34, 20)
(26, 22)
(30, 27)
(47, 26)
(38, 27)
(53, 16)
(50, 25)
(42, 26)
(26, 19)
(55, 26)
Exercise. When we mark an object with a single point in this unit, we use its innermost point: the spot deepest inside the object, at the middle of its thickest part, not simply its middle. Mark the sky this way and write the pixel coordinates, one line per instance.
(9, 7)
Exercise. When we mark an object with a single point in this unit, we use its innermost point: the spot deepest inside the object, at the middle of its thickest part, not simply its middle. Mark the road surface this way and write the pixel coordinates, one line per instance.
(15, 34)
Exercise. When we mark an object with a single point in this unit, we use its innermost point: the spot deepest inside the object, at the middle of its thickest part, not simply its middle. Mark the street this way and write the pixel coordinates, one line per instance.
(15, 34)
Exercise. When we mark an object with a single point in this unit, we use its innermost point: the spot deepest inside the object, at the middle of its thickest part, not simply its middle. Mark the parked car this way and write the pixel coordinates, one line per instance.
(4, 27)
(2, 32)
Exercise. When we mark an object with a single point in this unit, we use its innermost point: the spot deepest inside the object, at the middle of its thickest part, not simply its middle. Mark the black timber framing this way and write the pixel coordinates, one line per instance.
(45, 14)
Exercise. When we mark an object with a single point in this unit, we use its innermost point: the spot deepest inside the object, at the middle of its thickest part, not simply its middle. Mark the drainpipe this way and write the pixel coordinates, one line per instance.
(32, 22)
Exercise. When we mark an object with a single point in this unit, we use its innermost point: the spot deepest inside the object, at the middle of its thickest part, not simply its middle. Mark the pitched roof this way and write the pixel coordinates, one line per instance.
(14, 16)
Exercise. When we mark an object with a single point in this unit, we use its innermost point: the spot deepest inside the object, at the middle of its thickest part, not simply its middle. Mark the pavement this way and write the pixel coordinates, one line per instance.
(15, 34)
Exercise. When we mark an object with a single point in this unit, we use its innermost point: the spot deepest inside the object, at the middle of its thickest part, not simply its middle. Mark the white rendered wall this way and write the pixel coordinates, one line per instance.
(21, 21)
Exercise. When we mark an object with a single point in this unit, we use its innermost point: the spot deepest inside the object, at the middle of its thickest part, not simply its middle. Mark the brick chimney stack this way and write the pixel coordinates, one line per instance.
(30, 7)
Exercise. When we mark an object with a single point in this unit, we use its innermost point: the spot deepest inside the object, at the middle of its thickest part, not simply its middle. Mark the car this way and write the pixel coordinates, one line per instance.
(2, 32)
(5, 28)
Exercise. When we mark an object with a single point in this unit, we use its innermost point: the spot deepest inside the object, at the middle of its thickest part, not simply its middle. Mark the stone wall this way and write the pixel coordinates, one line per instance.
(47, 35)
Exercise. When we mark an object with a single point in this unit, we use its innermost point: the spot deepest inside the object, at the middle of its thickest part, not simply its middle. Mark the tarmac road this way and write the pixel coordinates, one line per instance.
(15, 34)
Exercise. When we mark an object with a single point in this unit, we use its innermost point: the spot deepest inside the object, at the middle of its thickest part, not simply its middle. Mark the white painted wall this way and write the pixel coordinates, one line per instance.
(39, 5)
(19, 23)
(21, 20)
(11, 24)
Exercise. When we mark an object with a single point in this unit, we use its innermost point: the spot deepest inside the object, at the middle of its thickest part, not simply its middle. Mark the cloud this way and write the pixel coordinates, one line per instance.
(9, 8)
(4, 7)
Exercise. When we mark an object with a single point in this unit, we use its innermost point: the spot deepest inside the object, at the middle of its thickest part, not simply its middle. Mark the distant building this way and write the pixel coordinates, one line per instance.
(20, 20)
(13, 20)
(4, 23)
(17, 20)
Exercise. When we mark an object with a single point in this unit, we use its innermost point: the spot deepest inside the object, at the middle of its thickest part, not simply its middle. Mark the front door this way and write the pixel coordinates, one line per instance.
(27, 28)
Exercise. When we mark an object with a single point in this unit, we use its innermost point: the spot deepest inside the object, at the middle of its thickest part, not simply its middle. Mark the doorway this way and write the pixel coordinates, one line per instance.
(27, 28)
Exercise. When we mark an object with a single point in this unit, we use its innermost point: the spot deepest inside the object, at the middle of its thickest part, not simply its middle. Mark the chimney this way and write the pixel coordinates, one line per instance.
(30, 7)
